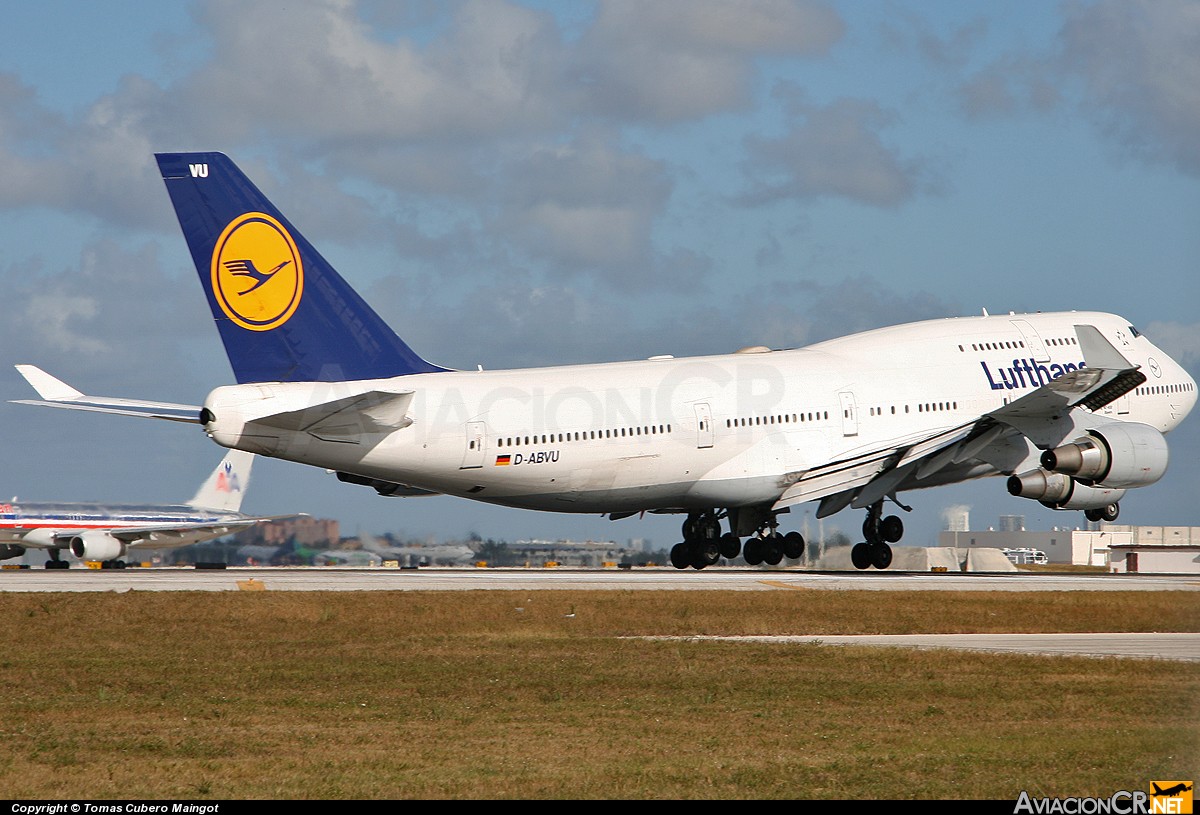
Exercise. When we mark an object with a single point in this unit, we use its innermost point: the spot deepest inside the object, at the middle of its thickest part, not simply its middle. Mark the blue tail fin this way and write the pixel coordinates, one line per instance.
(283, 312)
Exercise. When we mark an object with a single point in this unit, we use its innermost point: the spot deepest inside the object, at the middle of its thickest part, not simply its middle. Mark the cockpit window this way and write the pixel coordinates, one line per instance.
(1134, 331)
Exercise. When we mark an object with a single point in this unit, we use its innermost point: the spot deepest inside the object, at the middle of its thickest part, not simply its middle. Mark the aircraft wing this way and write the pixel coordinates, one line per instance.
(868, 477)
(56, 393)
(170, 535)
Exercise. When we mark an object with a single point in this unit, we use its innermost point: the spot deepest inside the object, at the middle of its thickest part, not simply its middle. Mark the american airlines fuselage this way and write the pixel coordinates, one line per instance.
(718, 431)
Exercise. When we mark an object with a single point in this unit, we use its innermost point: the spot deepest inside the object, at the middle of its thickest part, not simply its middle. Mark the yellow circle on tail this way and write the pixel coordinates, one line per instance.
(257, 275)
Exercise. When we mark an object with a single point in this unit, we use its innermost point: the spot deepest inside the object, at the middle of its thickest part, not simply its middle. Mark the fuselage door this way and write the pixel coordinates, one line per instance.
(849, 414)
(1033, 341)
(476, 442)
(704, 428)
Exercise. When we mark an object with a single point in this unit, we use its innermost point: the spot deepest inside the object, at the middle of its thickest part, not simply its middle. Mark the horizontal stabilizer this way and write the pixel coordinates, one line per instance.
(345, 419)
(56, 393)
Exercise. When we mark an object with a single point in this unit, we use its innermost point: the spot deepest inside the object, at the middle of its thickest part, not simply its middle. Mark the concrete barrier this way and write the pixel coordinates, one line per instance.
(925, 559)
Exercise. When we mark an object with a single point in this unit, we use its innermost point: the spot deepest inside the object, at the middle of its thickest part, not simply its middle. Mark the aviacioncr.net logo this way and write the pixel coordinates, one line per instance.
(257, 275)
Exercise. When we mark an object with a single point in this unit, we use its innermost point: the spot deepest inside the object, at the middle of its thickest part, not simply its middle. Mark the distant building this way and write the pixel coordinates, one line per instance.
(1060, 545)
(1012, 523)
(304, 531)
(1119, 548)
(568, 553)
(956, 519)
(1155, 549)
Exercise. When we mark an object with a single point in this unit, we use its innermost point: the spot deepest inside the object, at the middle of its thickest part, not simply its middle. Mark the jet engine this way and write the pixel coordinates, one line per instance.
(96, 545)
(8, 550)
(1121, 454)
(1058, 491)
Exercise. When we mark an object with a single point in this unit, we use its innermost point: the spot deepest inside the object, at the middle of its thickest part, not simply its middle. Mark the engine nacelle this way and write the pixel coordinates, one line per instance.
(8, 550)
(1121, 454)
(96, 545)
(1058, 491)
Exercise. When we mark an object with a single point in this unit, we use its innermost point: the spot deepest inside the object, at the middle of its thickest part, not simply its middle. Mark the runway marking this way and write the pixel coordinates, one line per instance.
(779, 584)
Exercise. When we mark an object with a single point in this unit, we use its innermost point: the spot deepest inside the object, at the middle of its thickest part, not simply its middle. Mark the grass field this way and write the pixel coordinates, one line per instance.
(552, 695)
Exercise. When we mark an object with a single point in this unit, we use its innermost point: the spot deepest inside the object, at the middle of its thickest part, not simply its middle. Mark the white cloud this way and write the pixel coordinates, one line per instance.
(1139, 61)
(678, 59)
(832, 150)
(1181, 341)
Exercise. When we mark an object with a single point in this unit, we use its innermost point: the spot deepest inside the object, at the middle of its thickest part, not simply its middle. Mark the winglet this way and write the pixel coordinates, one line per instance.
(227, 484)
(1099, 352)
(47, 386)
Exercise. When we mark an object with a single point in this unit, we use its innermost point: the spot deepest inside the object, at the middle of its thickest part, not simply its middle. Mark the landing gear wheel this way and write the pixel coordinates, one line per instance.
(57, 564)
(891, 529)
(681, 556)
(860, 555)
(701, 527)
(705, 553)
(691, 528)
(1110, 512)
(793, 545)
(870, 528)
(753, 551)
(881, 556)
(730, 545)
(773, 549)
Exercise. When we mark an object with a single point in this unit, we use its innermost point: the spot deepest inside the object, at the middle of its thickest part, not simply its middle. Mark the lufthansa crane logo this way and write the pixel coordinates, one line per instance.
(257, 275)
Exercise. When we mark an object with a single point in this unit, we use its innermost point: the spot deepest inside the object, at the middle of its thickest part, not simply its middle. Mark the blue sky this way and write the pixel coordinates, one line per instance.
(516, 184)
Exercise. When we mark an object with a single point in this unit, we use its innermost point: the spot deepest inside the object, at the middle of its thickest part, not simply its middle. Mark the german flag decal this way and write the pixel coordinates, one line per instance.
(503, 461)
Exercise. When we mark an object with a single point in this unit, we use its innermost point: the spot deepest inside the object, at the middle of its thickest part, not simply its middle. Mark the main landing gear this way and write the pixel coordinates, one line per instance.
(703, 544)
(878, 532)
(55, 561)
(768, 546)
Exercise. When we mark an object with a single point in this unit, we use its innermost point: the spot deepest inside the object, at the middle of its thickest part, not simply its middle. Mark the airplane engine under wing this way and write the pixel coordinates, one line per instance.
(1121, 454)
(8, 550)
(96, 545)
(1059, 491)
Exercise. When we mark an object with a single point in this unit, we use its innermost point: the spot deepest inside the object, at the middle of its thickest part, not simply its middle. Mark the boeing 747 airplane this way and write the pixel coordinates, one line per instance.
(1071, 407)
(106, 532)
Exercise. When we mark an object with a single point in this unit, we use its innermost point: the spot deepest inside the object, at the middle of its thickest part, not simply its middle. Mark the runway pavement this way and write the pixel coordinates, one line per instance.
(1143, 645)
(1148, 645)
(641, 578)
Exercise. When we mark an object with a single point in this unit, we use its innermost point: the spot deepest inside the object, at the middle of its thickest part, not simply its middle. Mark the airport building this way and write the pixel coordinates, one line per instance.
(1155, 549)
(1118, 548)
(584, 554)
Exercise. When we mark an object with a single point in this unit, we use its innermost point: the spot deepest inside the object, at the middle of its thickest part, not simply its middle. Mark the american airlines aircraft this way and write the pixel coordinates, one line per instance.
(106, 532)
(1071, 407)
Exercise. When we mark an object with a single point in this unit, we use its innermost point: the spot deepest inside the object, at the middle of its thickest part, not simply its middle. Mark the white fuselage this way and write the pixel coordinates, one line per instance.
(702, 432)
(43, 524)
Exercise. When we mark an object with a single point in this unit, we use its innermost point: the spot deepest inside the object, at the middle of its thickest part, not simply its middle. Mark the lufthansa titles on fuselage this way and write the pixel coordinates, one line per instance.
(1026, 373)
